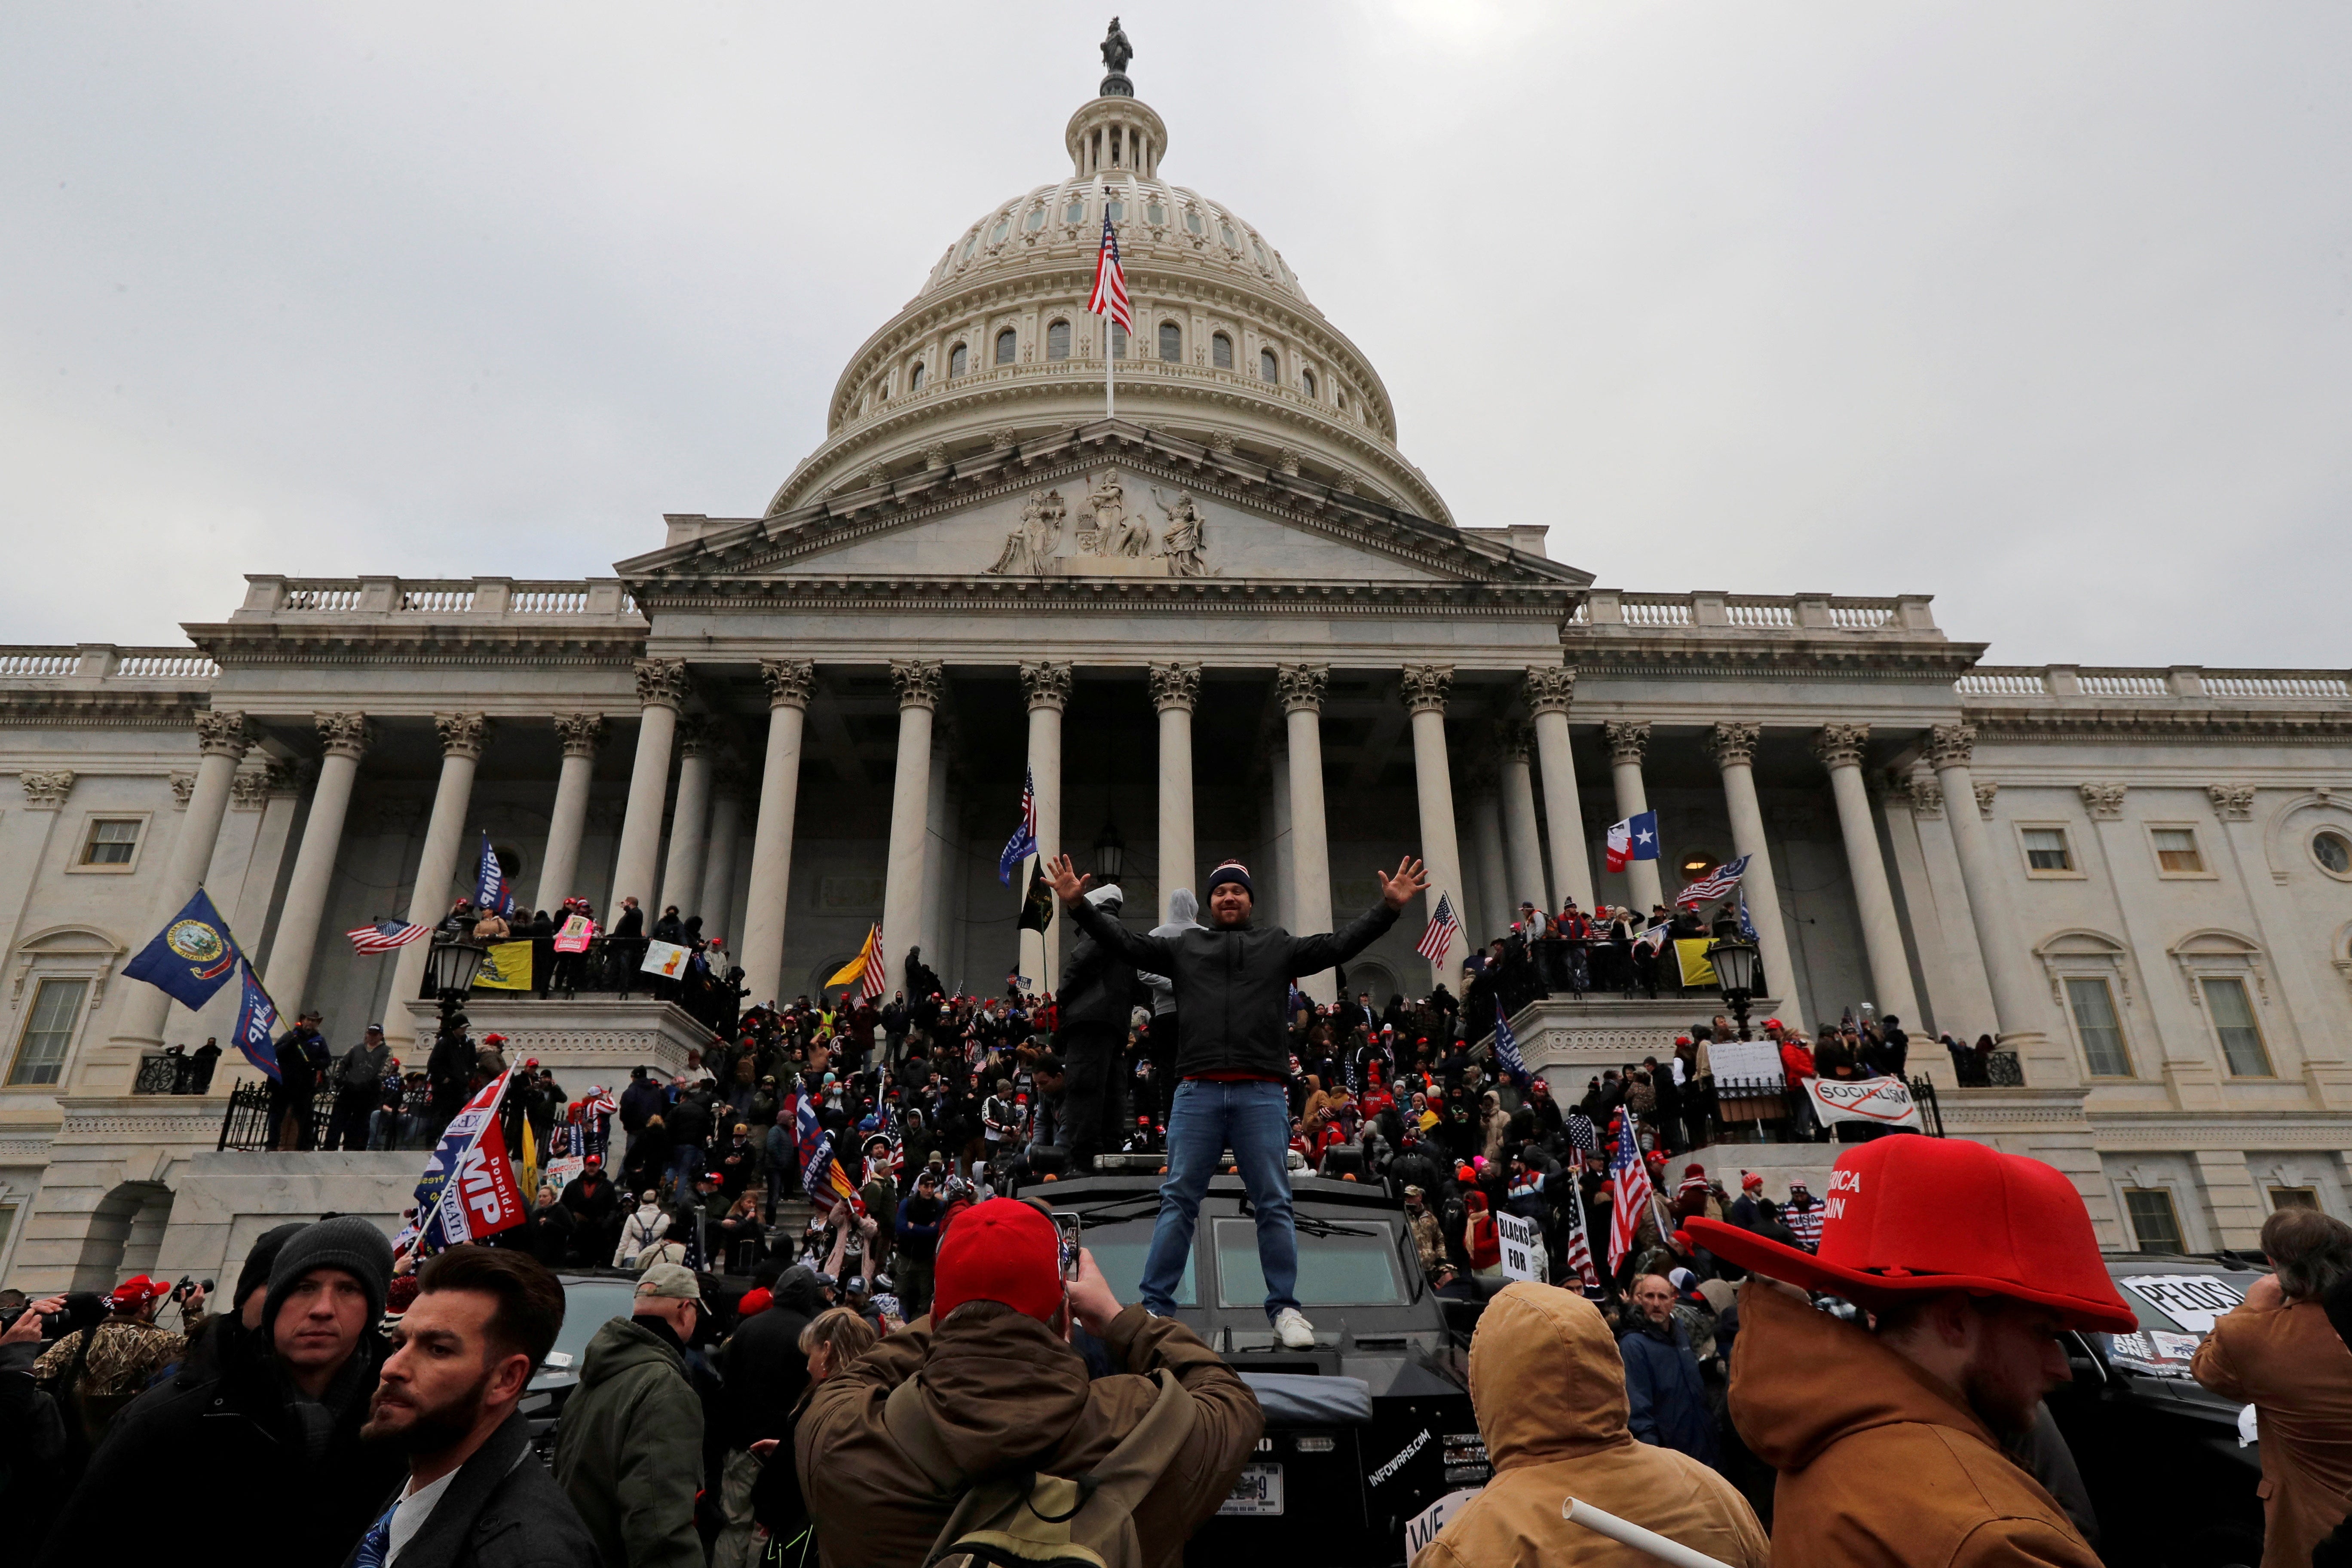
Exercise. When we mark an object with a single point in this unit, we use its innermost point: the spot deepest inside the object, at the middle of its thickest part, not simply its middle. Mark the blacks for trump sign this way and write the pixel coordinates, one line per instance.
(1884, 1101)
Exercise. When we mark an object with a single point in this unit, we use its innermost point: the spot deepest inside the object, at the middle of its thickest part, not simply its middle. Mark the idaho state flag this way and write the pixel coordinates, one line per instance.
(191, 957)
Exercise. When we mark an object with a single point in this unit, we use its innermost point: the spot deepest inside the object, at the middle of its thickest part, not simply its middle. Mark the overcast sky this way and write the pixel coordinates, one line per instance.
(2041, 309)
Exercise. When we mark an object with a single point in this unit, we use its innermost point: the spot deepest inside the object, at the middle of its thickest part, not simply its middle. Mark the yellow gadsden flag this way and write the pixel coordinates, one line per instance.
(855, 970)
(507, 968)
(1691, 952)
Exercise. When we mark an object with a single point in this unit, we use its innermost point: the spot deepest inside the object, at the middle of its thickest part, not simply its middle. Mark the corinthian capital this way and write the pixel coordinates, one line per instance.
(1300, 685)
(918, 681)
(222, 734)
(1950, 745)
(1548, 687)
(695, 736)
(581, 733)
(1515, 740)
(1047, 684)
(48, 791)
(1426, 685)
(790, 682)
(1175, 686)
(1839, 745)
(462, 734)
(1628, 739)
(2105, 802)
(1732, 743)
(661, 682)
(343, 734)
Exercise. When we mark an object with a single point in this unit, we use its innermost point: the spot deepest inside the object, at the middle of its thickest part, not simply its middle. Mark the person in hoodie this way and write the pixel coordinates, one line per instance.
(1550, 1392)
(628, 1447)
(1183, 915)
(1889, 1440)
(1096, 1001)
(766, 1373)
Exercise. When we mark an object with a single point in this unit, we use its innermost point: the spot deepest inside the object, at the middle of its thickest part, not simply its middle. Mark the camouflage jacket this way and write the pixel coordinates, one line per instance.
(124, 1358)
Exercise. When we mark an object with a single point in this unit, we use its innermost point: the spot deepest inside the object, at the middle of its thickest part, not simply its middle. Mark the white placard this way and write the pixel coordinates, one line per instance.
(1746, 1064)
(1423, 1528)
(2192, 1300)
(1882, 1102)
(664, 958)
(1522, 1245)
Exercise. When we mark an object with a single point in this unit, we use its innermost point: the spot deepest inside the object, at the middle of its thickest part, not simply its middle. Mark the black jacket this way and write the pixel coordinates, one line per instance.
(765, 1369)
(1232, 982)
(1098, 988)
(502, 1510)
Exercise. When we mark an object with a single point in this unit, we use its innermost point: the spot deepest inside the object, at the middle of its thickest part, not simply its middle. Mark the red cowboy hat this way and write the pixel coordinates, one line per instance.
(1908, 1216)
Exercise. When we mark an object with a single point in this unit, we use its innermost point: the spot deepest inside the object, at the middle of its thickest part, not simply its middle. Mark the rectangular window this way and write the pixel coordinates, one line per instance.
(2045, 850)
(2294, 1198)
(49, 1031)
(2092, 1003)
(111, 842)
(2234, 1020)
(2152, 1219)
(2176, 851)
(7, 1225)
(1356, 1266)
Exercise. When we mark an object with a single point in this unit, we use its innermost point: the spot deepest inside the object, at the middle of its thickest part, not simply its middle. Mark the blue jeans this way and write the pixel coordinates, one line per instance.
(1253, 1120)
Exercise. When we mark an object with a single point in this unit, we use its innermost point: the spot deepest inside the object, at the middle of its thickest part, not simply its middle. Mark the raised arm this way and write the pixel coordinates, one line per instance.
(1311, 954)
(1152, 952)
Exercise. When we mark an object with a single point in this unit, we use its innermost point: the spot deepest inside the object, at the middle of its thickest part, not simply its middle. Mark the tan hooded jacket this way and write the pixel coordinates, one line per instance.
(1549, 1389)
(2290, 1364)
(1880, 1463)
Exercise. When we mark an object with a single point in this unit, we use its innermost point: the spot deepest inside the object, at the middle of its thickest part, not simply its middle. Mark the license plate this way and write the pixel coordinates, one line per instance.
(1258, 1493)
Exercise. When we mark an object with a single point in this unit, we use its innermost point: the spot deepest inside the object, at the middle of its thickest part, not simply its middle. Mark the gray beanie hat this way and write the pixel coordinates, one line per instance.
(346, 1242)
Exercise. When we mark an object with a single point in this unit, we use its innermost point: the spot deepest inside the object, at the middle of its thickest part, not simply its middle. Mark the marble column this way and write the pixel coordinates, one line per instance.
(1301, 687)
(1047, 687)
(1277, 894)
(718, 851)
(1627, 742)
(1426, 686)
(559, 869)
(345, 738)
(1175, 688)
(920, 682)
(1523, 843)
(689, 821)
(222, 741)
(1548, 691)
(1495, 912)
(1733, 747)
(762, 951)
(2018, 997)
(662, 691)
(462, 738)
(936, 851)
(1840, 747)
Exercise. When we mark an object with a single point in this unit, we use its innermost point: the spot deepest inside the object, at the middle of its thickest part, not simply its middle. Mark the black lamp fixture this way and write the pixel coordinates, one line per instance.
(1110, 852)
(454, 964)
(1737, 970)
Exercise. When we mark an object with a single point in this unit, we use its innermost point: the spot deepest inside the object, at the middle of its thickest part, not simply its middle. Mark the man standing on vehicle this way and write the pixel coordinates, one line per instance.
(2277, 1351)
(1888, 1439)
(1232, 981)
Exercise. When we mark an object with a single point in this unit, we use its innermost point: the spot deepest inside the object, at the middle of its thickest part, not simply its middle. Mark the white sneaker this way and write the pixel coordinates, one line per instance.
(1291, 1327)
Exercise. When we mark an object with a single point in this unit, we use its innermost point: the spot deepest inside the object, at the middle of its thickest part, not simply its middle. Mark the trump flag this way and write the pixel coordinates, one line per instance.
(469, 1190)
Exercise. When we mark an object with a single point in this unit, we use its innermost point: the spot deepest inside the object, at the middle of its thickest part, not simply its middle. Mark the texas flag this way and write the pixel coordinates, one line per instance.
(1635, 838)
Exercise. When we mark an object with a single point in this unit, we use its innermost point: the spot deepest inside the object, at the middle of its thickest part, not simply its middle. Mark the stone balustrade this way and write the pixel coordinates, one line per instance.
(1615, 610)
(2079, 684)
(506, 599)
(105, 662)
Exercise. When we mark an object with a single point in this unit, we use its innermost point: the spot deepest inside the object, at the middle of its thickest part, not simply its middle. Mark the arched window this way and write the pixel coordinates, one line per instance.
(1003, 226)
(1058, 340)
(1192, 220)
(1076, 210)
(1115, 210)
(1155, 215)
(959, 359)
(1117, 340)
(1306, 382)
(915, 377)
(1221, 352)
(1342, 396)
(1268, 367)
(1007, 342)
(968, 241)
(1035, 220)
(1226, 230)
(1172, 341)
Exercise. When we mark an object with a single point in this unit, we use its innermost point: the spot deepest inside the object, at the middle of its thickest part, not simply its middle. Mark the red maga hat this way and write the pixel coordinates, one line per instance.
(1907, 1215)
(1000, 1250)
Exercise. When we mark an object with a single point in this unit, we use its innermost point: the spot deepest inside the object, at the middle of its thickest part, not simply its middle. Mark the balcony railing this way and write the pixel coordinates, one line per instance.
(1994, 1069)
(1805, 613)
(2180, 683)
(105, 661)
(268, 596)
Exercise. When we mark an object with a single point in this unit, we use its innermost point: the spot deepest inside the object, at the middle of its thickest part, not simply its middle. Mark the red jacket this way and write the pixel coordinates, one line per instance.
(1797, 1062)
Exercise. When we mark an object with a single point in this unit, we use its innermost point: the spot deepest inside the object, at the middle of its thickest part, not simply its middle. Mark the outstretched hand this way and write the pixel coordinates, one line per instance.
(1398, 890)
(1064, 878)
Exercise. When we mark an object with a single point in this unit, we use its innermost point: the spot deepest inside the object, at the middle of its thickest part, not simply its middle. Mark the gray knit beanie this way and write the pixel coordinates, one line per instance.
(346, 1242)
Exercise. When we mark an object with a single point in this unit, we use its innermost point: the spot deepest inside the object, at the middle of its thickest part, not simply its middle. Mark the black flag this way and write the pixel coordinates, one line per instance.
(1037, 909)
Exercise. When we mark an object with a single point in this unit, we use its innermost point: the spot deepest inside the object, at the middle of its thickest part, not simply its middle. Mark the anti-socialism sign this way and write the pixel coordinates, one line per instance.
(1884, 1101)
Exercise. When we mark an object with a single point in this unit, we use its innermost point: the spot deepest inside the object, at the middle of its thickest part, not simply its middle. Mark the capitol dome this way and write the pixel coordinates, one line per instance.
(997, 346)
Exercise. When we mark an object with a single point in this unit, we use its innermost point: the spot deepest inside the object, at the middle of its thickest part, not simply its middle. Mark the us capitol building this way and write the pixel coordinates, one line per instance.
(1233, 620)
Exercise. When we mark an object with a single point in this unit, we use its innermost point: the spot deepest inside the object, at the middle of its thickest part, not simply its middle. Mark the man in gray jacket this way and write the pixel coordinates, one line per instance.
(359, 1077)
(1183, 915)
(1233, 983)
(628, 1448)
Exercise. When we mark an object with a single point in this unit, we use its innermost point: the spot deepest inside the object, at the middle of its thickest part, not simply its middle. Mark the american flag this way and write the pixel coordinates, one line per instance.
(1630, 1192)
(600, 1102)
(1023, 842)
(869, 985)
(1581, 1137)
(1576, 1246)
(1441, 930)
(1109, 298)
(1719, 881)
(385, 935)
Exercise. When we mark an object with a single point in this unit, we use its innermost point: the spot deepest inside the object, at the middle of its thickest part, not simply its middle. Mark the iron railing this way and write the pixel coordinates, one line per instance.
(1931, 1114)
(248, 1123)
(1994, 1069)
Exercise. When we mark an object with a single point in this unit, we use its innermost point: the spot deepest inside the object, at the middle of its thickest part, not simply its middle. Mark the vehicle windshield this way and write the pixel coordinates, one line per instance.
(588, 1305)
(1350, 1265)
(1119, 1249)
(2177, 1302)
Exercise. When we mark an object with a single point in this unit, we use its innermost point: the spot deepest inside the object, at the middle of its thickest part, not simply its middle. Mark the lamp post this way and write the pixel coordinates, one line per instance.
(1110, 852)
(1735, 963)
(452, 966)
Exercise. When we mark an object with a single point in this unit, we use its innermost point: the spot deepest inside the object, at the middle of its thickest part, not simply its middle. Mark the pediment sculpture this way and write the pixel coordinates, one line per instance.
(1107, 540)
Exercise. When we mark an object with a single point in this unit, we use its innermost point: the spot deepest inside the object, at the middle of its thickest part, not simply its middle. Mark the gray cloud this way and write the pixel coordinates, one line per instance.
(2043, 309)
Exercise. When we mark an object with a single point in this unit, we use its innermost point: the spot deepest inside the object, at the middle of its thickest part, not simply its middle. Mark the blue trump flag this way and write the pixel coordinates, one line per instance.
(1023, 842)
(257, 1022)
(1507, 1050)
(191, 957)
(490, 889)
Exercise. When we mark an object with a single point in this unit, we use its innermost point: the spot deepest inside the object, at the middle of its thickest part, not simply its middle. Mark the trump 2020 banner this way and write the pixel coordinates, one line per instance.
(469, 1190)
